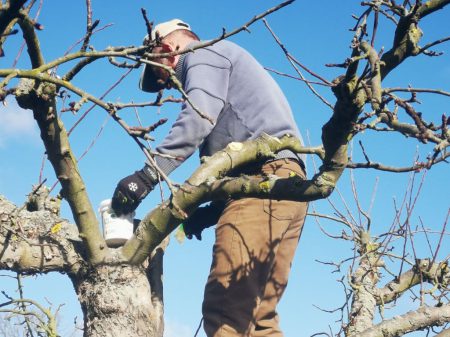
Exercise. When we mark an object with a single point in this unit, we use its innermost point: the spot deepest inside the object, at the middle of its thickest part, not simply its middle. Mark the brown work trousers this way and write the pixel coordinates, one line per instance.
(252, 255)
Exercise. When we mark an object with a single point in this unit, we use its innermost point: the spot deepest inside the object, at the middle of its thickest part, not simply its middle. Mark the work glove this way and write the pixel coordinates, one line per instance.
(201, 218)
(131, 190)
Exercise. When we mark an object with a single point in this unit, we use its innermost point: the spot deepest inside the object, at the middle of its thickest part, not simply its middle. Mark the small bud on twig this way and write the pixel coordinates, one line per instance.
(38, 26)
(12, 32)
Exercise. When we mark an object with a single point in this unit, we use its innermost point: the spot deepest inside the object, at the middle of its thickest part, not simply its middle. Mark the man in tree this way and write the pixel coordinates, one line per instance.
(255, 238)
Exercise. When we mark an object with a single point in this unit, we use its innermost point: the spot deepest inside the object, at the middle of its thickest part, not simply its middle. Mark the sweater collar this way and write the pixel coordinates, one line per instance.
(180, 65)
(179, 68)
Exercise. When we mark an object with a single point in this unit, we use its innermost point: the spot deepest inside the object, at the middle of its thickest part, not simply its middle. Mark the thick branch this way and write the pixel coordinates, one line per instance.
(375, 80)
(335, 136)
(407, 36)
(363, 281)
(37, 241)
(201, 186)
(7, 15)
(406, 40)
(431, 6)
(78, 67)
(293, 188)
(407, 129)
(7, 32)
(411, 321)
(412, 90)
(40, 98)
(387, 168)
(161, 221)
(32, 41)
(433, 274)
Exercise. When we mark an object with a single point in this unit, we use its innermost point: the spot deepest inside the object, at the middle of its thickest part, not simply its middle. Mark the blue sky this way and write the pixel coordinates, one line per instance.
(316, 33)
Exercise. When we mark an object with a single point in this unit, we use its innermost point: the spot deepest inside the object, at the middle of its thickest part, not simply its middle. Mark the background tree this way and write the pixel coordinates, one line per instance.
(120, 291)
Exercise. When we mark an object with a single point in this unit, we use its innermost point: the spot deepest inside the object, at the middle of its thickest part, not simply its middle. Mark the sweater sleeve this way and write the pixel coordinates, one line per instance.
(206, 84)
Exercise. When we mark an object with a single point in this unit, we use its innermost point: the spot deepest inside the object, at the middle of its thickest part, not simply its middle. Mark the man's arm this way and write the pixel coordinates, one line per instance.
(206, 85)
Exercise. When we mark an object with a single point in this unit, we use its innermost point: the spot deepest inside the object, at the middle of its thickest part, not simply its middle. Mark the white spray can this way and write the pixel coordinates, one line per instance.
(116, 229)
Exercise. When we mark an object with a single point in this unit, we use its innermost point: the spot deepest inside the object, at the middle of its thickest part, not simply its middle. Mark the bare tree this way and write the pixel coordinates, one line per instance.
(120, 290)
(386, 268)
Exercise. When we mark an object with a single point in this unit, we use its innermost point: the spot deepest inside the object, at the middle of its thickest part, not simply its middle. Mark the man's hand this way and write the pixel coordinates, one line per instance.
(201, 218)
(131, 190)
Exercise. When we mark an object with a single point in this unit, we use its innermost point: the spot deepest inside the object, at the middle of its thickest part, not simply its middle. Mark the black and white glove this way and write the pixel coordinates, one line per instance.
(201, 218)
(131, 190)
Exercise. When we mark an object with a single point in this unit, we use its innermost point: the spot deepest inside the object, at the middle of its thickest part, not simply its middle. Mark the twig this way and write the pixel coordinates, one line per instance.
(49, 326)
(198, 328)
(394, 8)
(19, 53)
(101, 97)
(179, 87)
(375, 25)
(102, 127)
(410, 208)
(41, 170)
(444, 126)
(7, 79)
(423, 130)
(88, 14)
(329, 217)
(426, 235)
(89, 25)
(148, 24)
(151, 161)
(353, 63)
(440, 239)
(424, 90)
(321, 334)
(82, 39)
(389, 16)
(123, 64)
(312, 73)
(429, 45)
(157, 102)
(169, 183)
(295, 67)
(350, 224)
(347, 208)
(296, 78)
(364, 151)
(225, 35)
(416, 167)
(360, 210)
(90, 31)
(374, 192)
(142, 132)
(362, 17)
(22, 304)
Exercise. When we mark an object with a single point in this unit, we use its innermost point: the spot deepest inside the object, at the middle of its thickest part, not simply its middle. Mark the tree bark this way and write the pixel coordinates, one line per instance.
(116, 299)
(117, 302)
(412, 321)
(38, 241)
(40, 98)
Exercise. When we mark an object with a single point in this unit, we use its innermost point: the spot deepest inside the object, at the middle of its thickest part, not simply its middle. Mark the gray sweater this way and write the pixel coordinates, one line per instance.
(225, 82)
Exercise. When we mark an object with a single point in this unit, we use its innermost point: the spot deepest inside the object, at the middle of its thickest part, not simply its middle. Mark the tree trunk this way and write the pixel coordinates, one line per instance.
(118, 301)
